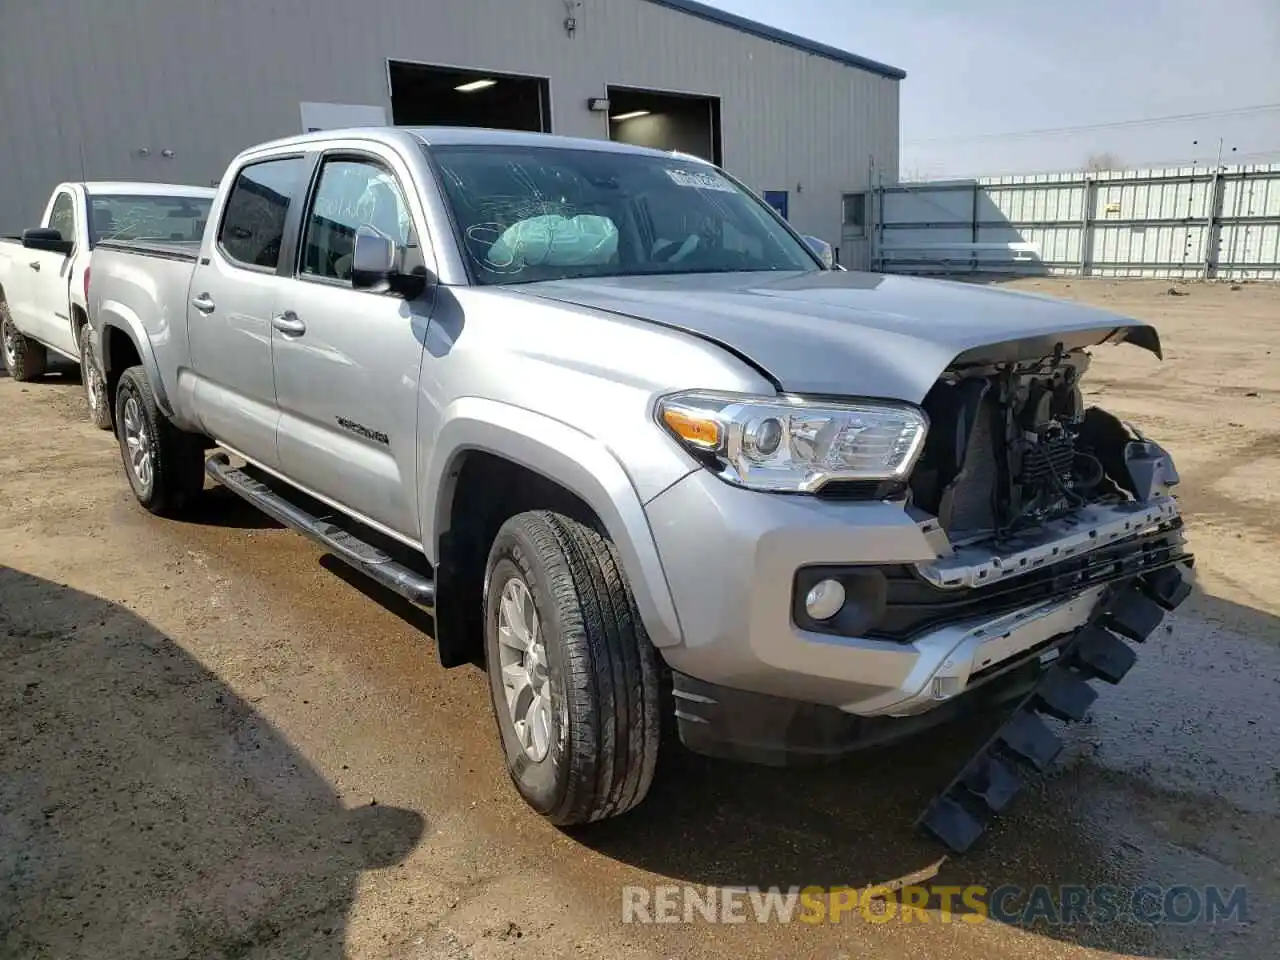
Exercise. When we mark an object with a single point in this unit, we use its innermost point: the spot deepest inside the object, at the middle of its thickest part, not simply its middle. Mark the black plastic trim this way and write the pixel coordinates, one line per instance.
(913, 605)
(719, 721)
(144, 248)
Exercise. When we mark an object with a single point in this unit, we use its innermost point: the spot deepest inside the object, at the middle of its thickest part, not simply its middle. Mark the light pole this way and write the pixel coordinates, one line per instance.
(1212, 237)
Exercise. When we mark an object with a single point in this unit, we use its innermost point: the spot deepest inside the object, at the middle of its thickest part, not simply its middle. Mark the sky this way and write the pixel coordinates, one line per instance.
(979, 70)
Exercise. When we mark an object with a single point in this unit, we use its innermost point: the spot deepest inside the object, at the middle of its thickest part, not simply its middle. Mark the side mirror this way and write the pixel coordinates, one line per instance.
(376, 265)
(826, 253)
(44, 238)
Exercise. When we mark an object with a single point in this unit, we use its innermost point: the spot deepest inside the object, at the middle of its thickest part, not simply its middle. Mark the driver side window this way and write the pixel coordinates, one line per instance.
(351, 194)
(63, 217)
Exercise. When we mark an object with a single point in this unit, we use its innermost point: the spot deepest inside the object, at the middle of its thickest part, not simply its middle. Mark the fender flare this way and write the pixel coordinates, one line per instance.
(112, 313)
(570, 458)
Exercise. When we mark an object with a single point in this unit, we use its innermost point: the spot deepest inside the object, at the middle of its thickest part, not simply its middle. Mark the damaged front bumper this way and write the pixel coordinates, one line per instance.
(934, 630)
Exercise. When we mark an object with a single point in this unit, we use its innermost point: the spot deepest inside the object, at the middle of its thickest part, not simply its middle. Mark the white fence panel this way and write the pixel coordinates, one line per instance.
(1179, 223)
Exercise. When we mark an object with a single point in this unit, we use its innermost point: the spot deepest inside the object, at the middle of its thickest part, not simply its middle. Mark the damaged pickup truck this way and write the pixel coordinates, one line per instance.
(648, 457)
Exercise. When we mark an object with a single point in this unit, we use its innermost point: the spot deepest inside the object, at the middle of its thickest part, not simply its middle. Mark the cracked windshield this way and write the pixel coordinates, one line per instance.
(551, 214)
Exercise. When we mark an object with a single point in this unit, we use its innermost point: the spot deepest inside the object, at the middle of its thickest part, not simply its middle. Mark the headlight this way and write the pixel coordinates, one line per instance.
(790, 444)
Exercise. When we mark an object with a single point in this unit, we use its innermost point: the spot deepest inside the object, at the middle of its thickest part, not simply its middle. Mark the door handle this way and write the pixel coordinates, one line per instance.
(204, 303)
(289, 323)
(34, 264)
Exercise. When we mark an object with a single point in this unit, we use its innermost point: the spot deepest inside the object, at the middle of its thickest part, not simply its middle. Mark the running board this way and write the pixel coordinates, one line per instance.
(346, 546)
(1025, 744)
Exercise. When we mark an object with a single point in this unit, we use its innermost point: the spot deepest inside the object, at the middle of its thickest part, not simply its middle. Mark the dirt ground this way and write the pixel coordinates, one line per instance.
(216, 742)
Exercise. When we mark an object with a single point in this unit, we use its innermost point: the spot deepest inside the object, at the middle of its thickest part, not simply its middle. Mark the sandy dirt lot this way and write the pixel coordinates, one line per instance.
(216, 742)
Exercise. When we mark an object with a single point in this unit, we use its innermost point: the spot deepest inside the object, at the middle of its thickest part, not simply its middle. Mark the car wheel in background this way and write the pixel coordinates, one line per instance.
(23, 357)
(95, 388)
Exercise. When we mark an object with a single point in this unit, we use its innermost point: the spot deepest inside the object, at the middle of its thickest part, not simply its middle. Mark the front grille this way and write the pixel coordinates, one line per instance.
(860, 490)
(913, 605)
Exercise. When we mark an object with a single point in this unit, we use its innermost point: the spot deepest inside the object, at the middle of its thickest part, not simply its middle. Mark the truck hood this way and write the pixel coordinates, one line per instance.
(843, 333)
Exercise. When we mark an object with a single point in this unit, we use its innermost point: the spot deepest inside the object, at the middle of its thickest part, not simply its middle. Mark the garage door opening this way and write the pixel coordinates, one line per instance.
(423, 95)
(667, 121)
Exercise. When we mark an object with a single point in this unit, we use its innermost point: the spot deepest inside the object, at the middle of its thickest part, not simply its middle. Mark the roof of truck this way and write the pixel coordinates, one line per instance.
(483, 136)
(458, 136)
(137, 188)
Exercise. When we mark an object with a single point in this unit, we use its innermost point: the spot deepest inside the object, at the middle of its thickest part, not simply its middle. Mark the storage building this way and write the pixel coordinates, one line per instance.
(169, 91)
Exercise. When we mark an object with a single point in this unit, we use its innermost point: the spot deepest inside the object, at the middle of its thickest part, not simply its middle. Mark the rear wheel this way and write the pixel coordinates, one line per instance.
(165, 465)
(95, 388)
(572, 674)
(24, 358)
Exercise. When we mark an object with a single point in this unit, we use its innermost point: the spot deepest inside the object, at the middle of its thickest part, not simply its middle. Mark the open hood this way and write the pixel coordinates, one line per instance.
(852, 334)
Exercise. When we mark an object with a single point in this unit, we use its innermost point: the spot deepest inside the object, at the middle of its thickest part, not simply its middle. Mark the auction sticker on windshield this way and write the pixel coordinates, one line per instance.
(700, 181)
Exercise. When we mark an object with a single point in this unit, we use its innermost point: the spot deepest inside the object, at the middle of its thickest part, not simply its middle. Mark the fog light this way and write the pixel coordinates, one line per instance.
(824, 600)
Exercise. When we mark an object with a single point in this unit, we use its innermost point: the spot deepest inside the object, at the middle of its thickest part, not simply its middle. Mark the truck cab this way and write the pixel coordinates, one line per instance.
(45, 270)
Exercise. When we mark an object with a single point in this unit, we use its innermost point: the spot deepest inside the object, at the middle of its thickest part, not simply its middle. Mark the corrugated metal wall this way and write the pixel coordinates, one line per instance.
(93, 81)
(1188, 222)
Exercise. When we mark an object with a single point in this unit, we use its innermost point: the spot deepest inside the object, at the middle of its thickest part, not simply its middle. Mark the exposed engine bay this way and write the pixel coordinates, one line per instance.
(1012, 446)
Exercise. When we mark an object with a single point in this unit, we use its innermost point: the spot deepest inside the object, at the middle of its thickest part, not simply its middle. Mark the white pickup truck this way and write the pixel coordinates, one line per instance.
(44, 271)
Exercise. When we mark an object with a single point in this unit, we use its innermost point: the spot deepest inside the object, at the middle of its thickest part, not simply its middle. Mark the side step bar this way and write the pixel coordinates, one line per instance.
(346, 546)
(986, 785)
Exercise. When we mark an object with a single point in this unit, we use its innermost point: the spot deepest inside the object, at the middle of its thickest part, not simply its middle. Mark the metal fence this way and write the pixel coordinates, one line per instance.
(1179, 223)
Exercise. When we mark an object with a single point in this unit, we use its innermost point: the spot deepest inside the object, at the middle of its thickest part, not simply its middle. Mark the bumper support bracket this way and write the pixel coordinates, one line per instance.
(1026, 744)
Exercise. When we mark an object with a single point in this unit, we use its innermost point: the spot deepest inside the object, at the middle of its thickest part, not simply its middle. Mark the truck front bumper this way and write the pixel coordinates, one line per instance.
(938, 623)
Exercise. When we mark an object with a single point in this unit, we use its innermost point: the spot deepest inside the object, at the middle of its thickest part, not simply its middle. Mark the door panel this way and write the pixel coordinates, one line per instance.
(347, 361)
(231, 355)
(49, 287)
(47, 318)
(233, 295)
(347, 392)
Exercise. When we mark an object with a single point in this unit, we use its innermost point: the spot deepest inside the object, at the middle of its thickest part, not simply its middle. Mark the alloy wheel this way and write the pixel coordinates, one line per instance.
(523, 661)
(137, 440)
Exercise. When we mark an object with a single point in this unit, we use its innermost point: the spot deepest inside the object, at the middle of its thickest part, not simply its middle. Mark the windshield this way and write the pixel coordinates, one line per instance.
(544, 213)
(125, 217)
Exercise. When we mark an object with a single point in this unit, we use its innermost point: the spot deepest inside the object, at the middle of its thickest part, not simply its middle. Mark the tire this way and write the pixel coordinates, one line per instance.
(174, 473)
(24, 358)
(95, 388)
(599, 675)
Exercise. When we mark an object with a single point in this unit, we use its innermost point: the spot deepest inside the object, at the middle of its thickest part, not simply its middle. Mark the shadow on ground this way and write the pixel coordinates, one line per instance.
(146, 810)
(219, 507)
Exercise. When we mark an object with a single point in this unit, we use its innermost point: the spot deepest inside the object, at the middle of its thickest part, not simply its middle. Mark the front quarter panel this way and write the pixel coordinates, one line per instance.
(575, 461)
(567, 393)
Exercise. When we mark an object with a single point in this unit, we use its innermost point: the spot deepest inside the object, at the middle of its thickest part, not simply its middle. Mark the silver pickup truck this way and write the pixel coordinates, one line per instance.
(647, 456)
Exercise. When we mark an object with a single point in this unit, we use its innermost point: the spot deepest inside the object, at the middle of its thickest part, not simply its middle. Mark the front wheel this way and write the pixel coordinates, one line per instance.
(24, 358)
(165, 465)
(572, 674)
(95, 388)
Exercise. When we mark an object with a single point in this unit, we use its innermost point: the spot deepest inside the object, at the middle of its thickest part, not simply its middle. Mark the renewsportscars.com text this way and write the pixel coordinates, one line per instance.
(1146, 904)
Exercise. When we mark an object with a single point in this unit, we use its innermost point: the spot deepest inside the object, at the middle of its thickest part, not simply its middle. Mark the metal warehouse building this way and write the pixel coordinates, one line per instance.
(169, 91)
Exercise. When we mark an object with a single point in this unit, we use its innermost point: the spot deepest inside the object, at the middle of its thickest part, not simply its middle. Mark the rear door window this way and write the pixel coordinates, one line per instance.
(252, 228)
